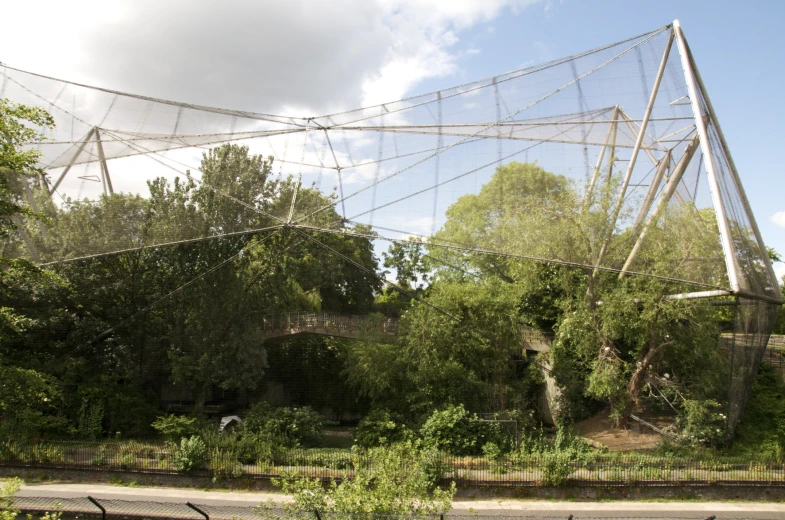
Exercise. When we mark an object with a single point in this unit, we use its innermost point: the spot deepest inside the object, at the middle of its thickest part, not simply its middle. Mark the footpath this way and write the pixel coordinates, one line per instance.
(462, 506)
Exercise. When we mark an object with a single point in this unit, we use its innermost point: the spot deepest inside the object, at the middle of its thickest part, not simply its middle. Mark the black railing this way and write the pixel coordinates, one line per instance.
(550, 468)
(356, 325)
(293, 322)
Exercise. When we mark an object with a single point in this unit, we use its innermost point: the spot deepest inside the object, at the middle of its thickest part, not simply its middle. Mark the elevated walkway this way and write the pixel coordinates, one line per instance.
(356, 326)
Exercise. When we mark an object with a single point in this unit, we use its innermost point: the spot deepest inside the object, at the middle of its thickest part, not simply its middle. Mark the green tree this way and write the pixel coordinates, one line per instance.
(28, 397)
(209, 324)
(464, 357)
(408, 261)
(613, 338)
(19, 125)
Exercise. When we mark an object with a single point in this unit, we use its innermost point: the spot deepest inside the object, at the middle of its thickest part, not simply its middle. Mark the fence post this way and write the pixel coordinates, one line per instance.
(205, 515)
(99, 506)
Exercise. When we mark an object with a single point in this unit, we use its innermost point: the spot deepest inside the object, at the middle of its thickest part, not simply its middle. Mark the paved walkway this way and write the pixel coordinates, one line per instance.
(508, 507)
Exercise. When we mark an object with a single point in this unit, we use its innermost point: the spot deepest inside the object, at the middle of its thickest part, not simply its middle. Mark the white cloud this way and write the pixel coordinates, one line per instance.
(248, 54)
(779, 218)
(297, 57)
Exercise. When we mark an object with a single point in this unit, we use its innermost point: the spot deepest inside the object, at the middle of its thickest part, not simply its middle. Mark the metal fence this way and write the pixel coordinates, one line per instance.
(103, 509)
(557, 468)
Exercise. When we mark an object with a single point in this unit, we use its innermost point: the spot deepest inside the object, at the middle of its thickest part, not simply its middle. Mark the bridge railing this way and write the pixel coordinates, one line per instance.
(331, 322)
(326, 321)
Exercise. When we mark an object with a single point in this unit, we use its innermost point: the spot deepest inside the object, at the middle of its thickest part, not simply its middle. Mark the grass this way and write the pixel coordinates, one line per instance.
(114, 480)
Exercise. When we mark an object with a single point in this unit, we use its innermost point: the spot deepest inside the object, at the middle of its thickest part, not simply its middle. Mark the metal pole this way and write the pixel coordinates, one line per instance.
(722, 219)
(647, 115)
(205, 515)
(105, 180)
(634, 130)
(742, 194)
(99, 506)
(612, 155)
(698, 295)
(338, 169)
(653, 187)
(73, 160)
(664, 198)
(654, 160)
(596, 173)
(299, 174)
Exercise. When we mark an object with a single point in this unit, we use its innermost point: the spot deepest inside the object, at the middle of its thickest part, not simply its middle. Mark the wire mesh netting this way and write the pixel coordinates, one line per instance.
(643, 183)
(108, 509)
(615, 123)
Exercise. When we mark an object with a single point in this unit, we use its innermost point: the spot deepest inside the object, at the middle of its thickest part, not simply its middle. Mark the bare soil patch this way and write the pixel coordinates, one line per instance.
(600, 430)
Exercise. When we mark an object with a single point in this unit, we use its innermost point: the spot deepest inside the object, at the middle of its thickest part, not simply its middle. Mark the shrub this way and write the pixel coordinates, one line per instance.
(491, 451)
(289, 427)
(459, 432)
(100, 458)
(176, 427)
(702, 423)
(380, 428)
(189, 455)
(398, 482)
(334, 458)
(47, 454)
(126, 460)
(225, 465)
(9, 488)
(556, 468)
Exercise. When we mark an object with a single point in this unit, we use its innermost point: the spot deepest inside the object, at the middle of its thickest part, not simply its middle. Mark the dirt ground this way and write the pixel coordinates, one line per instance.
(600, 430)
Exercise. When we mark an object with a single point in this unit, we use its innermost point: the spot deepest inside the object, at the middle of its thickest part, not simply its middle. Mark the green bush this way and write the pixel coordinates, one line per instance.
(189, 455)
(703, 423)
(100, 458)
(289, 427)
(556, 468)
(381, 428)
(459, 432)
(224, 464)
(9, 488)
(176, 427)
(334, 458)
(400, 481)
(126, 460)
(47, 454)
(250, 447)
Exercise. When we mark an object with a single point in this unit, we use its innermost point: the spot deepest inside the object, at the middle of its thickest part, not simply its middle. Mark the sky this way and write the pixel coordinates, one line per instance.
(321, 56)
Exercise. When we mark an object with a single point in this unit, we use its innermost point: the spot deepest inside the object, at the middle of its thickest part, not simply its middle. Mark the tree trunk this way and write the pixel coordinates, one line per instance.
(638, 377)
